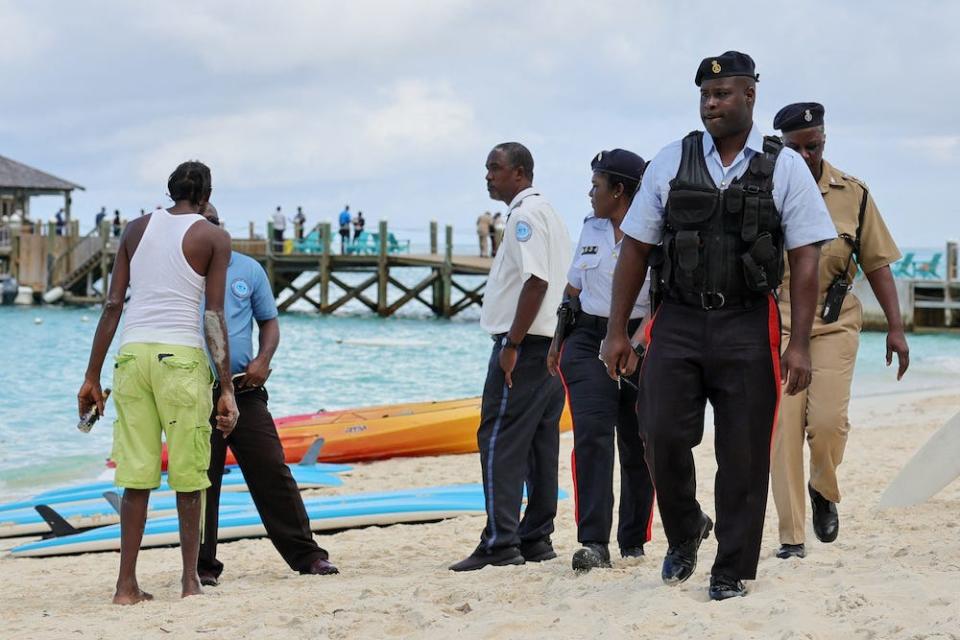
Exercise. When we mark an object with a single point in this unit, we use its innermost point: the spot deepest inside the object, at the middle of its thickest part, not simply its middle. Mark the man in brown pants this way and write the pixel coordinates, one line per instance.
(819, 414)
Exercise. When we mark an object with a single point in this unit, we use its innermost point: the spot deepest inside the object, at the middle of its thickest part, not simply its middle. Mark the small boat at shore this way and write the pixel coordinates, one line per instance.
(386, 431)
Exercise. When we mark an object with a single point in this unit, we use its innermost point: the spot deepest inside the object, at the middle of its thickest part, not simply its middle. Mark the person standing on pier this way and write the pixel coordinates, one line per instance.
(484, 231)
(255, 442)
(496, 232)
(172, 260)
(344, 222)
(299, 222)
(819, 414)
(519, 436)
(713, 216)
(358, 224)
(279, 226)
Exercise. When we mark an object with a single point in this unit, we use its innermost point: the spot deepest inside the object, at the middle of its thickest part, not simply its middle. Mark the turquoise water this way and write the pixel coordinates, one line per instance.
(317, 366)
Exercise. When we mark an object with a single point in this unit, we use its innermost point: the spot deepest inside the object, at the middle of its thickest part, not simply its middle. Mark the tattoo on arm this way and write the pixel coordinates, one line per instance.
(215, 331)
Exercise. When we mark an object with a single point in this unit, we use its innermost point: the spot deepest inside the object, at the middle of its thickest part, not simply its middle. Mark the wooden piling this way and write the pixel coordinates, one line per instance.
(446, 274)
(325, 229)
(383, 270)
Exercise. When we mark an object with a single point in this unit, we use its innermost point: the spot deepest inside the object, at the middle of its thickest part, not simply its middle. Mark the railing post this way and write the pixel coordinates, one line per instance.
(252, 234)
(446, 273)
(325, 259)
(433, 237)
(383, 270)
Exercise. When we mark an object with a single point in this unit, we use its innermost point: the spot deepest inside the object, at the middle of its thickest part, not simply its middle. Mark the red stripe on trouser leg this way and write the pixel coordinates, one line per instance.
(653, 507)
(773, 327)
(573, 451)
(648, 334)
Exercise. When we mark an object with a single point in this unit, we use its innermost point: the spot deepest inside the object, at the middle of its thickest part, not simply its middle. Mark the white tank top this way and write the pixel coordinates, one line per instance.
(165, 291)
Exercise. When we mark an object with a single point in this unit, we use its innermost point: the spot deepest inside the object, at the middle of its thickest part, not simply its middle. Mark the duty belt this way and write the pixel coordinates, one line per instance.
(587, 320)
(712, 301)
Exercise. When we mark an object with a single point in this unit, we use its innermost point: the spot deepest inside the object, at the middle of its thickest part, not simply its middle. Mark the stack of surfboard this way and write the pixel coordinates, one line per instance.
(84, 518)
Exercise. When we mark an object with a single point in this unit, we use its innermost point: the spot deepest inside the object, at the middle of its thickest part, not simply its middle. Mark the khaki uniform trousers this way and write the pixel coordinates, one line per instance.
(817, 415)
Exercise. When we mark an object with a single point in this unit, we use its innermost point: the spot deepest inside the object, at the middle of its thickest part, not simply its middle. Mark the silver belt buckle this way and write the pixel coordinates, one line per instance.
(707, 299)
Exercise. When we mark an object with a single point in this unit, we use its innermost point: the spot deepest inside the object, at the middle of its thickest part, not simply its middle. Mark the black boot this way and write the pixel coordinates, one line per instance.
(681, 560)
(826, 521)
(538, 550)
(481, 558)
(722, 587)
(791, 551)
(593, 555)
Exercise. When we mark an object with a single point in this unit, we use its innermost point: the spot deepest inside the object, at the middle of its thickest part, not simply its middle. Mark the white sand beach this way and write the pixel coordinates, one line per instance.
(891, 574)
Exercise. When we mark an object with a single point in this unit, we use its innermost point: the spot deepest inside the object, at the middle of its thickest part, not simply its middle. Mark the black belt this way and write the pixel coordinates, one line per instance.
(712, 301)
(527, 339)
(590, 321)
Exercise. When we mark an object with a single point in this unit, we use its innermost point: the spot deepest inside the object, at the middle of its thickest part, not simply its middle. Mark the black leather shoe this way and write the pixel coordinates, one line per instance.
(482, 558)
(593, 555)
(209, 580)
(791, 551)
(320, 567)
(722, 587)
(681, 560)
(826, 521)
(631, 552)
(538, 550)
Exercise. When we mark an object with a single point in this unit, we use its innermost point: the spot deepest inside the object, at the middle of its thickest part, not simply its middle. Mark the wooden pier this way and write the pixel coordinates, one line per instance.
(298, 271)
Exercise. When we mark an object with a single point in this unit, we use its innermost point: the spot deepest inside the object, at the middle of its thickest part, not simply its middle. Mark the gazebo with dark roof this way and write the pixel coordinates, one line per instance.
(19, 182)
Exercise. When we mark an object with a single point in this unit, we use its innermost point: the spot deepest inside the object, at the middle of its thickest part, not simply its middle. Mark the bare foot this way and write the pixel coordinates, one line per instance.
(131, 596)
(191, 586)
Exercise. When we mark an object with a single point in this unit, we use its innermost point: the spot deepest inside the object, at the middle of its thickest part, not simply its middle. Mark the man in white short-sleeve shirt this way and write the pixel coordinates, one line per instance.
(519, 422)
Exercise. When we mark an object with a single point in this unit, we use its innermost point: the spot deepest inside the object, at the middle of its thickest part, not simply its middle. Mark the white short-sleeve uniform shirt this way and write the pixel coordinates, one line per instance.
(594, 261)
(535, 243)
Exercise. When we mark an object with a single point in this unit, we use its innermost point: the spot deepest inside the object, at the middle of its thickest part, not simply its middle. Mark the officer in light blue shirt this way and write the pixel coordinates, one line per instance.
(255, 443)
(604, 411)
(714, 217)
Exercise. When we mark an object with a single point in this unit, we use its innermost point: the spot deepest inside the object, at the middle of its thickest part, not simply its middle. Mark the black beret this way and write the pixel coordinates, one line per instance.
(799, 115)
(731, 63)
(619, 162)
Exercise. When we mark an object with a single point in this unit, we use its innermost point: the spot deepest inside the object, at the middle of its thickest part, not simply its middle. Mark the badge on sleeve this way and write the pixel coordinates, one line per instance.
(240, 288)
(524, 231)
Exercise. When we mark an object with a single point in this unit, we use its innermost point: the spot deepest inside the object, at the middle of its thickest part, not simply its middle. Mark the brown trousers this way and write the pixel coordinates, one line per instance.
(817, 415)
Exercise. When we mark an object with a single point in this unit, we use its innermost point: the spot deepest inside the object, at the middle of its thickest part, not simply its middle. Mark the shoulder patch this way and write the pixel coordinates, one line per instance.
(524, 231)
(241, 288)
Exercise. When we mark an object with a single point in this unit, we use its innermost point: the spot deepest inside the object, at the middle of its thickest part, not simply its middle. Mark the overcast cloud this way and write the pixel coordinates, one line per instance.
(392, 106)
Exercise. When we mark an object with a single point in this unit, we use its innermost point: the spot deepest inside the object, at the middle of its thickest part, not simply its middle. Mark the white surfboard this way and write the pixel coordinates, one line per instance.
(932, 468)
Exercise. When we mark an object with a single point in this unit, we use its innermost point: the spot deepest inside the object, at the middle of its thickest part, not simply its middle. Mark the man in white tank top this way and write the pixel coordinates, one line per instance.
(171, 260)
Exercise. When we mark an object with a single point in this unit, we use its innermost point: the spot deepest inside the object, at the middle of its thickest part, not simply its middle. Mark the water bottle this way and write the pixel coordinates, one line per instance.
(90, 417)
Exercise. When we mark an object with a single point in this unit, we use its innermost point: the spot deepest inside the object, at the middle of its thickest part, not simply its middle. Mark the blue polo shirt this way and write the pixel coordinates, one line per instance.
(248, 298)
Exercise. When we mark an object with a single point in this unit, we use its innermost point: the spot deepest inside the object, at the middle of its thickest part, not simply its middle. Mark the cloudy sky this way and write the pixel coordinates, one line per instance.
(392, 105)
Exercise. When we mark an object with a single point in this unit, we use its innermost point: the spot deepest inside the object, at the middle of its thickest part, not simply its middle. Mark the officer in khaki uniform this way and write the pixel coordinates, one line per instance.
(819, 414)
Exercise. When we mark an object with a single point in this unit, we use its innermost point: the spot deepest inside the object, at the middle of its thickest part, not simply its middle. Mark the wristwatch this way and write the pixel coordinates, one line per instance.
(639, 349)
(507, 343)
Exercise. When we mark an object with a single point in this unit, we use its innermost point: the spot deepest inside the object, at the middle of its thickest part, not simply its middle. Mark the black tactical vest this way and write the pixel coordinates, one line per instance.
(720, 247)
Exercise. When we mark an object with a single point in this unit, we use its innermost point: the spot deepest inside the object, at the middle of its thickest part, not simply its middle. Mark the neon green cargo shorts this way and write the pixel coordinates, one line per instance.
(162, 389)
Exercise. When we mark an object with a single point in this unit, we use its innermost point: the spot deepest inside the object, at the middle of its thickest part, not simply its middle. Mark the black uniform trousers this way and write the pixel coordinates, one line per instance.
(602, 409)
(258, 451)
(519, 439)
(731, 357)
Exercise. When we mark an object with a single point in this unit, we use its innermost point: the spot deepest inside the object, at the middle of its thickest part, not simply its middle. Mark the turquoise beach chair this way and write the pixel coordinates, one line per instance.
(395, 246)
(904, 267)
(311, 243)
(928, 270)
(364, 244)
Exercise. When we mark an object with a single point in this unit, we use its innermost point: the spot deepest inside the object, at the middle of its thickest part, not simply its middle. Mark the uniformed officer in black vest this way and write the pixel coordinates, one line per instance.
(724, 203)
(603, 410)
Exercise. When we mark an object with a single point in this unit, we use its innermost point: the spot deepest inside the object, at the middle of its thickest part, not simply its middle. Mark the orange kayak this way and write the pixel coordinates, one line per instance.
(386, 431)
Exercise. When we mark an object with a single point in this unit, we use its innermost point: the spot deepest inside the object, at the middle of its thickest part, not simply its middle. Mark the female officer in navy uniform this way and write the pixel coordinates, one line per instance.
(601, 406)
